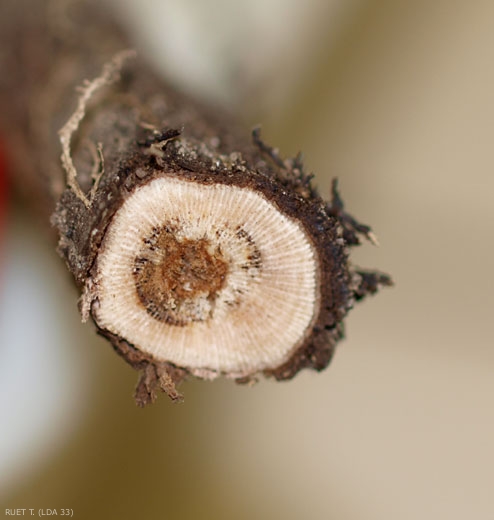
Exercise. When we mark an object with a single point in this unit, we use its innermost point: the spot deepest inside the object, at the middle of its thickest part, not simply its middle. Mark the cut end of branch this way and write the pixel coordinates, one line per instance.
(234, 273)
(209, 263)
(212, 278)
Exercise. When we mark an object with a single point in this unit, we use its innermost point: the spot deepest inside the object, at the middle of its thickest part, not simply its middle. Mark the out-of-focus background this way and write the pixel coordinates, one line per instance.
(396, 98)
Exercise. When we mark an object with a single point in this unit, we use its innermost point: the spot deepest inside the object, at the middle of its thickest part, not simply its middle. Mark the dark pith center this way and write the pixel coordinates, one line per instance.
(178, 280)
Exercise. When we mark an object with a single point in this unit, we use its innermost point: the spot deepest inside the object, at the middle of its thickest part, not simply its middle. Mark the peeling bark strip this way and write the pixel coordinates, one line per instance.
(198, 249)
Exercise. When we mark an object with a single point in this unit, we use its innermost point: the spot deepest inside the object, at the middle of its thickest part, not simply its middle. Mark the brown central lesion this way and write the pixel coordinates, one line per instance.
(178, 279)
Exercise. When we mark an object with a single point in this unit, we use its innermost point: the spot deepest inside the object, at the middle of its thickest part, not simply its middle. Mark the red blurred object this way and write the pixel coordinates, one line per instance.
(3, 190)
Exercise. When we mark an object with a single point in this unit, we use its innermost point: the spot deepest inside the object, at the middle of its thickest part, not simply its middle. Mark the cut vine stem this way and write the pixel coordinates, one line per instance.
(198, 250)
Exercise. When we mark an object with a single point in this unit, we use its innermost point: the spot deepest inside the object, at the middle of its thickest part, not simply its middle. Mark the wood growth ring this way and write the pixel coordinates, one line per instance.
(207, 277)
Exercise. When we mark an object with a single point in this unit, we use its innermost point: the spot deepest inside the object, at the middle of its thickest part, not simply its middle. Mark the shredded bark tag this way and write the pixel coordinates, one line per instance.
(199, 250)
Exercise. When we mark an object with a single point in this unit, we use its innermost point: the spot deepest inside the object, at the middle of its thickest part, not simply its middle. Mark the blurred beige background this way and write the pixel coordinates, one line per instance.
(397, 100)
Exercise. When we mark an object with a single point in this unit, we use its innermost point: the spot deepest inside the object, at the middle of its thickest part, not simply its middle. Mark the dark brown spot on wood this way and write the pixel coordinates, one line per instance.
(253, 262)
(178, 279)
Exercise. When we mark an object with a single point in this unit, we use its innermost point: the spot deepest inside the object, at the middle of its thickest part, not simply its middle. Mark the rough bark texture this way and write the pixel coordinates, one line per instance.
(129, 128)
